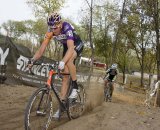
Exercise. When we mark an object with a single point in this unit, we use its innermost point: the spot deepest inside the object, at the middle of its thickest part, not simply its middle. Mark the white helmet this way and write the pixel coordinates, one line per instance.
(114, 66)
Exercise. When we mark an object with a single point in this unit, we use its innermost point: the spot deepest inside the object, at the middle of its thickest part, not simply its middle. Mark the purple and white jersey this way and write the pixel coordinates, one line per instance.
(67, 33)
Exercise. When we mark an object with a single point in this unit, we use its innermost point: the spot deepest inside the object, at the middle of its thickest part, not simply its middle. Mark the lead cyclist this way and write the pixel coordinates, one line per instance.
(64, 33)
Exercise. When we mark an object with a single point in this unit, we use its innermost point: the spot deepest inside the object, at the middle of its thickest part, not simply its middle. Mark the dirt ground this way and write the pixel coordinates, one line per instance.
(125, 112)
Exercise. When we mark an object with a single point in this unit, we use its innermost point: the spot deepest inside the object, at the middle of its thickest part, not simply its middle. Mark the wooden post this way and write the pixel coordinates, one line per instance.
(130, 84)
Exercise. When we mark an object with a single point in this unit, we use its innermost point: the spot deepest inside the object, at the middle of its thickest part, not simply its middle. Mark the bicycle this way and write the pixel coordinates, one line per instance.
(108, 89)
(45, 101)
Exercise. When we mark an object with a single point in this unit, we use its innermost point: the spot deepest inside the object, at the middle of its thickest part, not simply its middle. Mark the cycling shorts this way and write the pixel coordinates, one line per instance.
(78, 48)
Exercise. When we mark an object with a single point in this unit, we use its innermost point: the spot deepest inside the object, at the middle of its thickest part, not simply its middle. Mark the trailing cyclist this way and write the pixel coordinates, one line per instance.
(110, 76)
(65, 33)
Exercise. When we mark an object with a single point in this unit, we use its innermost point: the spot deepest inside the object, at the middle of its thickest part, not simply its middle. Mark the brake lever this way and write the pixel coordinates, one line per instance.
(30, 69)
(30, 72)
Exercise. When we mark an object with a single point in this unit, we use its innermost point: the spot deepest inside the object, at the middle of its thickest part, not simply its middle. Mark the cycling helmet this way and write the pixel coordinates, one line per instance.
(114, 66)
(53, 19)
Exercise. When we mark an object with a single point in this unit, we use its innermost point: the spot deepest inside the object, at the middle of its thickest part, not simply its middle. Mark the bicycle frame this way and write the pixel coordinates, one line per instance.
(108, 90)
(110, 84)
(51, 85)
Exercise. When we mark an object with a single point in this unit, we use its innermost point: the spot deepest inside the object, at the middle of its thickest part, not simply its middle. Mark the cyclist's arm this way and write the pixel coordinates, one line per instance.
(107, 71)
(70, 51)
(43, 46)
(105, 76)
(70, 44)
(114, 78)
(117, 71)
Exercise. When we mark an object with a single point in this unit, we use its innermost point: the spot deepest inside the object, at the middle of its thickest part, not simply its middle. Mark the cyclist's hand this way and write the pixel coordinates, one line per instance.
(49, 35)
(30, 63)
(61, 65)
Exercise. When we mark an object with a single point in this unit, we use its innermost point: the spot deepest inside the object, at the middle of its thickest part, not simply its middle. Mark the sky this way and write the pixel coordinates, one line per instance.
(18, 10)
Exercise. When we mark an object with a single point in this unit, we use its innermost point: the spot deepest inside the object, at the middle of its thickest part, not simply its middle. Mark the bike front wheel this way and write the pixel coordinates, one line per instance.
(38, 112)
(107, 95)
(108, 92)
(77, 106)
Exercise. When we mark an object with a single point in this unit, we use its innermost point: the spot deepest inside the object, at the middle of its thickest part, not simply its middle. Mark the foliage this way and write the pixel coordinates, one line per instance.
(14, 28)
(42, 8)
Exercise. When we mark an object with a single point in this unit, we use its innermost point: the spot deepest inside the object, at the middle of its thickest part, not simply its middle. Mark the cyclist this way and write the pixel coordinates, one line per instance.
(65, 33)
(110, 76)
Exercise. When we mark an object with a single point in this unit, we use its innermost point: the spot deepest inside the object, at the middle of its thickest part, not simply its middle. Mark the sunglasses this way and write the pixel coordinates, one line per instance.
(55, 26)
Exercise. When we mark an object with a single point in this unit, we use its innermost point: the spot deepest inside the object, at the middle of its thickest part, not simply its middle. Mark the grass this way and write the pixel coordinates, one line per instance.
(133, 83)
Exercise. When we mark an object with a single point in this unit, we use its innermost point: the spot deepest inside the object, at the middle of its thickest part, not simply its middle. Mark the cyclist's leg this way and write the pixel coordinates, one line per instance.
(64, 89)
(71, 66)
(65, 83)
(72, 69)
(71, 62)
(105, 83)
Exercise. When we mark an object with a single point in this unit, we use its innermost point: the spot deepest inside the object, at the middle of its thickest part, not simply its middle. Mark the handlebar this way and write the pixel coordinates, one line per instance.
(47, 64)
(51, 67)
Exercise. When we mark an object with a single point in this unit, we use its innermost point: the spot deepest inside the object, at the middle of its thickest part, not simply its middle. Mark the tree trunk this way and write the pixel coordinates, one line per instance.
(90, 39)
(117, 34)
(156, 20)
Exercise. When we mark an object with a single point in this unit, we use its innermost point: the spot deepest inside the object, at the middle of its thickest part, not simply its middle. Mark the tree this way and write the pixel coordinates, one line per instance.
(42, 8)
(139, 31)
(8, 27)
(14, 29)
(105, 21)
(117, 33)
(153, 11)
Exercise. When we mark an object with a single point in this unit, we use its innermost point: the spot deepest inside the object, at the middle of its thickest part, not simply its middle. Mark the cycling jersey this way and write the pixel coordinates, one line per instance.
(68, 33)
(111, 74)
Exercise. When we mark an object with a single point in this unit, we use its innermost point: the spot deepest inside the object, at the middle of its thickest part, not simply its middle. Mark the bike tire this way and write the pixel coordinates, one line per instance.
(38, 113)
(106, 95)
(77, 107)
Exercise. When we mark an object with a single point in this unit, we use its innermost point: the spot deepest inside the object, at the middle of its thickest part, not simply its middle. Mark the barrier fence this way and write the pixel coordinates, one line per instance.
(13, 61)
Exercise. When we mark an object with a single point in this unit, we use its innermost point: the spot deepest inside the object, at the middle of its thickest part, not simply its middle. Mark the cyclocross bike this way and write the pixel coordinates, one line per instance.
(45, 101)
(108, 90)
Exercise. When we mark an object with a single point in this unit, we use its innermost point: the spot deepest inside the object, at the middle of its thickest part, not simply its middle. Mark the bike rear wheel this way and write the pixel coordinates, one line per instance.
(38, 113)
(77, 106)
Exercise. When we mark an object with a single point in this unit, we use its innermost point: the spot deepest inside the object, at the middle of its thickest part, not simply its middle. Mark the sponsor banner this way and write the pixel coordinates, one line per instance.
(13, 62)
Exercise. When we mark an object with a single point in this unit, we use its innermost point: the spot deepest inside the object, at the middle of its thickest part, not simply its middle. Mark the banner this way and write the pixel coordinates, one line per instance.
(13, 62)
